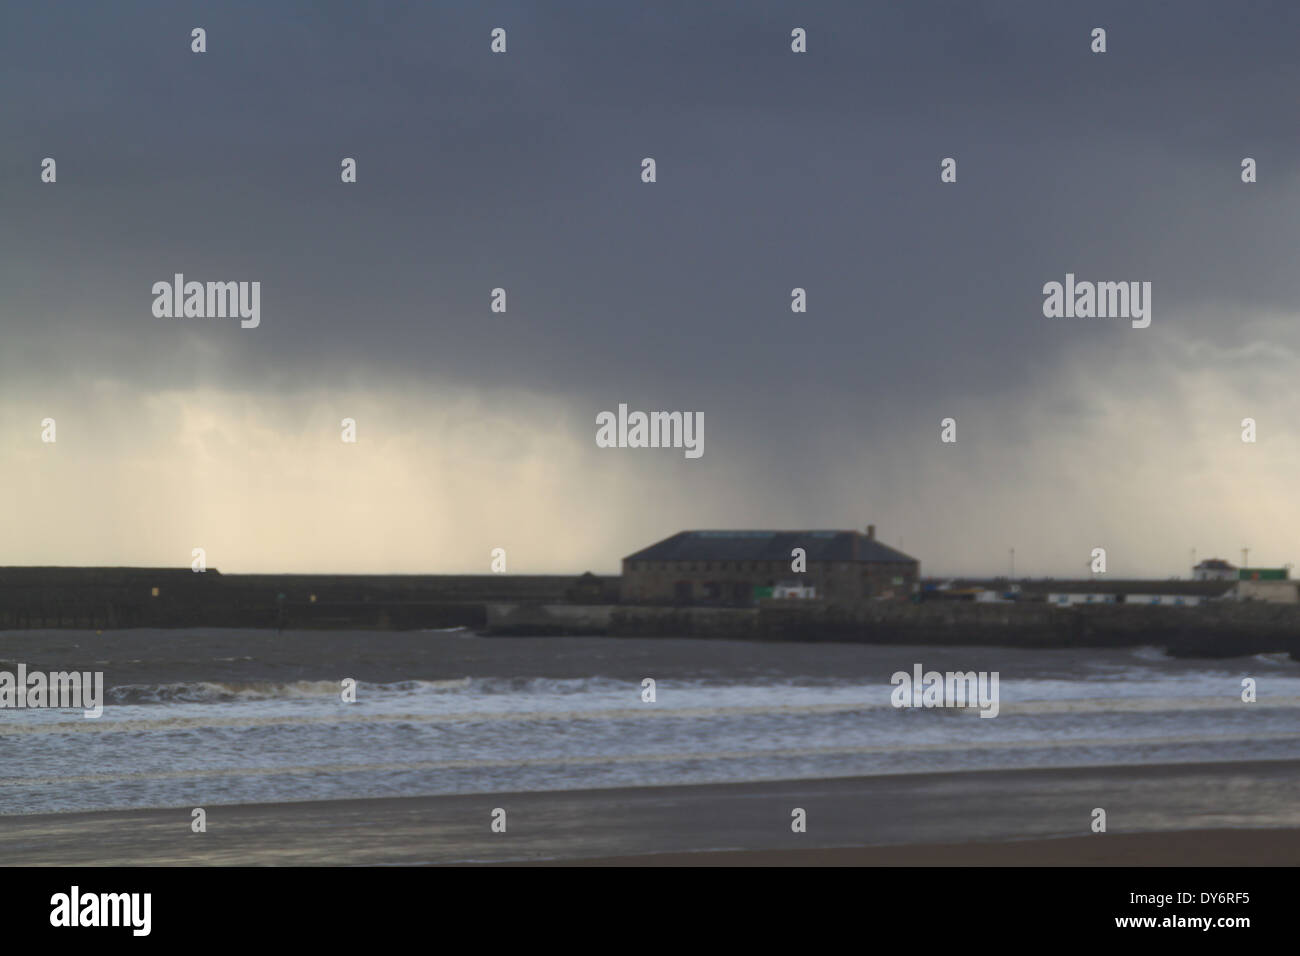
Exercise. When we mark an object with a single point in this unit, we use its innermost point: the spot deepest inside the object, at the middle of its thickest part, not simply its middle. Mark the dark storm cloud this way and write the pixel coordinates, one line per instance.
(522, 171)
(775, 170)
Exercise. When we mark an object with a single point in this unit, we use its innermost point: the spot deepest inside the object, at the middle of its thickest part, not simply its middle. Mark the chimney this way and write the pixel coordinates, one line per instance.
(871, 532)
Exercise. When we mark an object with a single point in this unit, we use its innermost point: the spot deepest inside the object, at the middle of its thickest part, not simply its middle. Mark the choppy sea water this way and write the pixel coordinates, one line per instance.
(209, 718)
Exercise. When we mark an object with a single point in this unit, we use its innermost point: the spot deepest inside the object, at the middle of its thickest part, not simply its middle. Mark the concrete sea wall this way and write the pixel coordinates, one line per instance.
(178, 597)
(1226, 630)
(563, 604)
(1220, 630)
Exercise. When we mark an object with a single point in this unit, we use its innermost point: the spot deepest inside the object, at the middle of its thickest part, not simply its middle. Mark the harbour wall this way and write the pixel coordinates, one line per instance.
(1217, 630)
(103, 598)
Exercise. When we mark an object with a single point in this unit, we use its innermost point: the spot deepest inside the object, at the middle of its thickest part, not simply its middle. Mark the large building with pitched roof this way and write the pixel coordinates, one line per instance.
(739, 568)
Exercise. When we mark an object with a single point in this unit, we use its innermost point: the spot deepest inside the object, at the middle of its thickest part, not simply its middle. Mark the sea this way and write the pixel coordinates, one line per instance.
(210, 716)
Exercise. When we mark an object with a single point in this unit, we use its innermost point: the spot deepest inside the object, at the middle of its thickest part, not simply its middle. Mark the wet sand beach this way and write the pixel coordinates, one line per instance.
(1244, 813)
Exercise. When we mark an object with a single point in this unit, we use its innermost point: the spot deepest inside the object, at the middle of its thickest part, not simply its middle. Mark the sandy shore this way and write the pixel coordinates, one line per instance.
(1178, 814)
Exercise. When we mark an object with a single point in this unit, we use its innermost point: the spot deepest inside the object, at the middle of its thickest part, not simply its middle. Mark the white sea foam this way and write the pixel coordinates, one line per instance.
(246, 741)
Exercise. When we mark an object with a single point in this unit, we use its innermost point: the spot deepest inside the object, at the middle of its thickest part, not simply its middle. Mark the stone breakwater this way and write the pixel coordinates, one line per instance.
(34, 598)
(107, 598)
(1220, 630)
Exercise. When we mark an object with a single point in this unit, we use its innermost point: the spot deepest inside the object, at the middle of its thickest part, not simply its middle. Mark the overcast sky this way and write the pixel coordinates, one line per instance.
(523, 171)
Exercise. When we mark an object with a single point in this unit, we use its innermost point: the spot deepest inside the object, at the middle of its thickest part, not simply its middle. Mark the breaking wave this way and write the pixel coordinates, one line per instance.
(205, 692)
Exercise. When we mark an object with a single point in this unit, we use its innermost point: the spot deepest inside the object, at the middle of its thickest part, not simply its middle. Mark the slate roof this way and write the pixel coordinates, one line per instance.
(769, 546)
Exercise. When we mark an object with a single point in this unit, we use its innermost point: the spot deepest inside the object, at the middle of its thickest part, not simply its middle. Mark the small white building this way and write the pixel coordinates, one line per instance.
(1214, 569)
(1274, 592)
(1167, 600)
(1065, 598)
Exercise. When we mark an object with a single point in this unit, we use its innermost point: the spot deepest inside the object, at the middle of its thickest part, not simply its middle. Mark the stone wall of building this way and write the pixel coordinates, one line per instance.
(732, 583)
